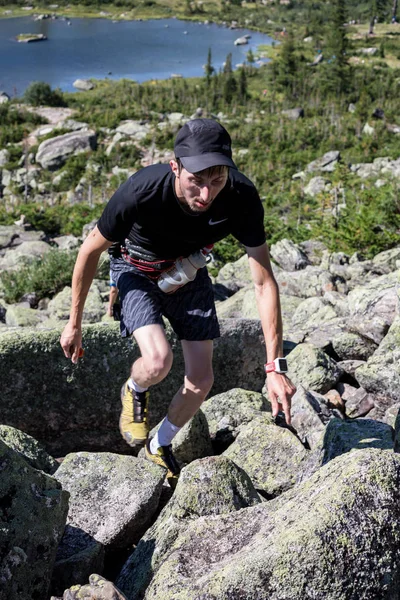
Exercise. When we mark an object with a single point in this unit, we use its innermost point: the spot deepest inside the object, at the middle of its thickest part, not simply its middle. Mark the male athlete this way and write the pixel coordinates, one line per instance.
(161, 214)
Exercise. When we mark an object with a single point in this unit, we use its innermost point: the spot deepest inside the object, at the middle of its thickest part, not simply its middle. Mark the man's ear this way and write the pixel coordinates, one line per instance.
(174, 166)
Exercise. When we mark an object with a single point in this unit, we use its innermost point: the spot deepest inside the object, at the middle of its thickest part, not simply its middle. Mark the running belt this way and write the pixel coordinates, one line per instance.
(147, 263)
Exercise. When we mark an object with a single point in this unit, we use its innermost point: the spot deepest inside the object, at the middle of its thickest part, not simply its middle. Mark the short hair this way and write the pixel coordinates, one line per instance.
(211, 171)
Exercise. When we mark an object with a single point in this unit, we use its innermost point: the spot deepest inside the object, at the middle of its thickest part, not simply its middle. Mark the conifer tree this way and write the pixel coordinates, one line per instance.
(287, 65)
(337, 69)
(209, 69)
(229, 80)
(243, 85)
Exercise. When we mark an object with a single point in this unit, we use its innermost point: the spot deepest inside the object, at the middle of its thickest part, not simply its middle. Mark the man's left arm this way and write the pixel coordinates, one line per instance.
(280, 388)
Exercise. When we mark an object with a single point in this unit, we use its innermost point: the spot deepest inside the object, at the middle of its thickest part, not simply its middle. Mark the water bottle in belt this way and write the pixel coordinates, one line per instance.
(184, 270)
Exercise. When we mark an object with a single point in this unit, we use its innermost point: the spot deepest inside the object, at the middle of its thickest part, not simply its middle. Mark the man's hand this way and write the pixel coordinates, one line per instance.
(71, 342)
(280, 392)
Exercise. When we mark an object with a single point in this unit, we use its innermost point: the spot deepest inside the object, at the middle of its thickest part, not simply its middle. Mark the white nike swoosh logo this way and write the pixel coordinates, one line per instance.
(211, 222)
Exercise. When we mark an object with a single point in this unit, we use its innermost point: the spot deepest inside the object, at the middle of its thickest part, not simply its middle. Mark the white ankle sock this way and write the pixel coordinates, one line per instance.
(134, 386)
(164, 435)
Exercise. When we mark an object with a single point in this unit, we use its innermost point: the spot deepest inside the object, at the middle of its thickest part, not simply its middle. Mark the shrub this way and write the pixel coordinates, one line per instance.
(45, 276)
(40, 93)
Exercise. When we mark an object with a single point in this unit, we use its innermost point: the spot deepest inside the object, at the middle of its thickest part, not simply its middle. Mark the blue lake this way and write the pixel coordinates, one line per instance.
(99, 48)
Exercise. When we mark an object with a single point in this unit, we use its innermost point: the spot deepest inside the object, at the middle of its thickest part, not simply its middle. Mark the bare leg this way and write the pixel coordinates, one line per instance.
(156, 360)
(198, 381)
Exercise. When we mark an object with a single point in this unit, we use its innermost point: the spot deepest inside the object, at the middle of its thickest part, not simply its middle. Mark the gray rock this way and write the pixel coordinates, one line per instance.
(24, 252)
(341, 437)
(53, 153)
(98, 588)
(67, 242)
(293, 113)
(350, 366)
(207, 487)
(289, 256)
(135, 129)
(312, 313)
(33, 514)
(78, 555)
(359, 404)
(353, 346)
(373, 307)
(387, 261)
(232, 307)
(227, 412)
(4, 157)
(113, 497)
(296, 545)
(314, 250)
(4, 98)
(235, 275)
(20, 316)
(29, 448)
(381, 374)
(312, 368)
(191, 442)
(309, 414)
(327, 162)
(59, 307)
(83, 84)
(272, 456)
(309, 282)
(315, 186)
(71, 394)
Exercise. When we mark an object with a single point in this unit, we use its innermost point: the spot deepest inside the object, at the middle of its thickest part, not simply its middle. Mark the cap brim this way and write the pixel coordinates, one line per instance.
(194, 164)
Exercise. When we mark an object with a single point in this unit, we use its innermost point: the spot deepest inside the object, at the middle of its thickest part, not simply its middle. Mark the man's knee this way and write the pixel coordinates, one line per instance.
(158, 364)
(199, 384)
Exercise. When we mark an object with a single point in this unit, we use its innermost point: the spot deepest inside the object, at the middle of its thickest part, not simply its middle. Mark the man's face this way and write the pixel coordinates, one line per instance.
(197, 191)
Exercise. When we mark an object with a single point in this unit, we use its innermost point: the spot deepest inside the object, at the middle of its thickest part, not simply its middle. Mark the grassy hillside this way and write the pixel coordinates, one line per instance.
(340, 96)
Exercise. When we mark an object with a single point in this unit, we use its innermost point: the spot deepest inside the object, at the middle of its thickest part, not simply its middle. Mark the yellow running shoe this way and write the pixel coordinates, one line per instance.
(166, 459)
(133, 422)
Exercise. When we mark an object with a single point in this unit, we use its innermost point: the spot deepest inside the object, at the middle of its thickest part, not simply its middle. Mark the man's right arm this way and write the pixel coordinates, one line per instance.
(84, 272)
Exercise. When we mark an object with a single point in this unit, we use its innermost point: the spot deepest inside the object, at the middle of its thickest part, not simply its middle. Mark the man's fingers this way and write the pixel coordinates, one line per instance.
(276, 405)
(286, 410)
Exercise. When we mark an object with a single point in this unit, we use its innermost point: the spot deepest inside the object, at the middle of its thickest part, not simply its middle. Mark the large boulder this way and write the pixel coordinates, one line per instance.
(33, 452)
(334, 536)
(381, 374)
(310, 413)
(82, 402)
(113, 497)
(341, 437)
(24, 252)
(207, 487)
(289, 256)
(227, 412)
(33, 512)
(313, 369)
(98, 588)
(272, 456)
(308, 282)
(53, 153)
(59, 307)
(374, 306)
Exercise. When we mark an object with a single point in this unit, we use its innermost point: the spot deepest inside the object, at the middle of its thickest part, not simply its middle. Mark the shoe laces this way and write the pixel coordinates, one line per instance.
(170, 459)
(140, 406)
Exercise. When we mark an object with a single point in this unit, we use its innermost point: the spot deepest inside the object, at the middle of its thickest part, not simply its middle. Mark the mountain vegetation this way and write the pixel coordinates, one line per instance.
(325, 61)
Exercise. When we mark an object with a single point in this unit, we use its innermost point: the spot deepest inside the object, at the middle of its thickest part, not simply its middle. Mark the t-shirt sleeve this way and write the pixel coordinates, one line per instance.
(119, 214)
(249, 229)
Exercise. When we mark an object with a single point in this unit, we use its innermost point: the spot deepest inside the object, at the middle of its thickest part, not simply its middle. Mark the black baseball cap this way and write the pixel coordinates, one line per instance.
(203, 143)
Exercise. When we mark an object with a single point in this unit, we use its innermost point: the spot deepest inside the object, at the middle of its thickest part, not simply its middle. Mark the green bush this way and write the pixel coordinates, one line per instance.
(40, 93)
(45, 276)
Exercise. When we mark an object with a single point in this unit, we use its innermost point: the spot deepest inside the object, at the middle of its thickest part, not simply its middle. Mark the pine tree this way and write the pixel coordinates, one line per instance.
(229, 80)
(243, 85)
(337, 69)
(209, 69)
(287, 65)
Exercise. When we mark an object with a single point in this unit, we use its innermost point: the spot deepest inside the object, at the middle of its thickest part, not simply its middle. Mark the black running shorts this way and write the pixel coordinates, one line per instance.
(190, 310)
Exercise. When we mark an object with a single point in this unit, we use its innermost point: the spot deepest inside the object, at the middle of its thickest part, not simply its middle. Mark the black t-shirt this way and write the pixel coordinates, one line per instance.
(146, 211)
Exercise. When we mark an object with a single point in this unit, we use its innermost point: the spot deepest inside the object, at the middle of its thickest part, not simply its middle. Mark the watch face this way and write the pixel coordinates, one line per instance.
(282, 364)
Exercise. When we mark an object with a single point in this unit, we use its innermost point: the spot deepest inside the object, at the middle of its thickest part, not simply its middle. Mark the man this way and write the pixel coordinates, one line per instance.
(161, 214)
